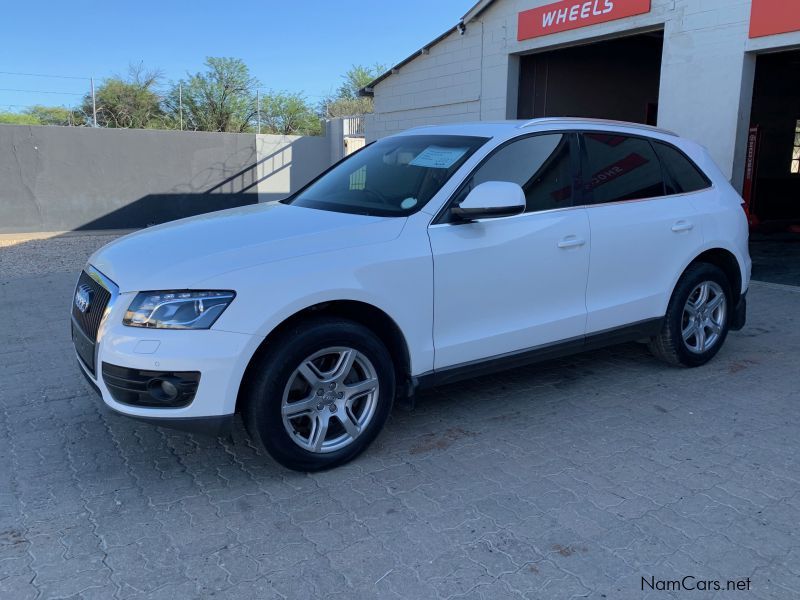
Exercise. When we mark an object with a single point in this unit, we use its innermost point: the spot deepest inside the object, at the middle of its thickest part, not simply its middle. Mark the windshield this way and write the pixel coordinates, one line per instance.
(393, 177)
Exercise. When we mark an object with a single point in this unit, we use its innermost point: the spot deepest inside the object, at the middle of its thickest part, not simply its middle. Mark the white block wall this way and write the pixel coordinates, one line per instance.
(285, 163)
(706, 76)
(440, 87)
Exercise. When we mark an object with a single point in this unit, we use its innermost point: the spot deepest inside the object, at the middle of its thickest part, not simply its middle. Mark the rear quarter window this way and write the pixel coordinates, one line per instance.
(682, 175)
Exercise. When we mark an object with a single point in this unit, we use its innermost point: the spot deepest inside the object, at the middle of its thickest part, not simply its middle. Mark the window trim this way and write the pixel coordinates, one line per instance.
(441, 214)
(587, 196)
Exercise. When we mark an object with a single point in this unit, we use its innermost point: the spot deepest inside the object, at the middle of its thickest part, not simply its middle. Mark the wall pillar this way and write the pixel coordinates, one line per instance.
(706, 81)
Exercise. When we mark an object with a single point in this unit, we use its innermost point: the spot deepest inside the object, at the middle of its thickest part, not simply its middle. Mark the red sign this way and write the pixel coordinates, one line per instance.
(768, 17)
(748, 189)
(573, 14)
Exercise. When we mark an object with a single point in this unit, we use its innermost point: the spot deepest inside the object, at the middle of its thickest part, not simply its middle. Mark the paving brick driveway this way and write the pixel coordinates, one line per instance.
(571, 479)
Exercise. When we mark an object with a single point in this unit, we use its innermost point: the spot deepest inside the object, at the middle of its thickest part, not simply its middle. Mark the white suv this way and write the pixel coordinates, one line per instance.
(440, 253)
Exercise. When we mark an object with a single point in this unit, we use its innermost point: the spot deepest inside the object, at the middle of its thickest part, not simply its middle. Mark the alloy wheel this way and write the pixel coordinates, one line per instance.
(704, 317)
(329, 399)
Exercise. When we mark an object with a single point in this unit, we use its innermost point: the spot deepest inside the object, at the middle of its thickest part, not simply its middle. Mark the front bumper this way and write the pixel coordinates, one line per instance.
(216, 426)
(220, 358)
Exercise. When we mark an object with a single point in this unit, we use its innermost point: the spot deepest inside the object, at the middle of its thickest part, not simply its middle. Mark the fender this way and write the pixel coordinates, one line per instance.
(716, 245)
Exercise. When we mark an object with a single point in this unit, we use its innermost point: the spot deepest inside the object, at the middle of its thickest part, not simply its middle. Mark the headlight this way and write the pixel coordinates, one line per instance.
(177, 309)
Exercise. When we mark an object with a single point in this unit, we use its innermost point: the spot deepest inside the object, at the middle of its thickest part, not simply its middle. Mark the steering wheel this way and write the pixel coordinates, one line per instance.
(380, 198)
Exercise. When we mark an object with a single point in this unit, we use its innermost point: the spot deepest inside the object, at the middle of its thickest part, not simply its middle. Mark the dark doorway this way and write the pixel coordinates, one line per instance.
(616, 79)
(773, 188)
(775, 119)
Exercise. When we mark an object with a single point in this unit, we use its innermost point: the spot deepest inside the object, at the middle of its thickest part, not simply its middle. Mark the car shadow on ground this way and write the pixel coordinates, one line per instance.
(443, 419)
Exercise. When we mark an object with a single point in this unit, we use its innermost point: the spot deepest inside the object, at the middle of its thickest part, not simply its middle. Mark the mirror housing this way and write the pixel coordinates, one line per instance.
(491, 199)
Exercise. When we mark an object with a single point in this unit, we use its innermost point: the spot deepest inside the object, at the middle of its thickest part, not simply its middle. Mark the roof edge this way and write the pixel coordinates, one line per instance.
(472, 13)
(368, 90)
(476, 10)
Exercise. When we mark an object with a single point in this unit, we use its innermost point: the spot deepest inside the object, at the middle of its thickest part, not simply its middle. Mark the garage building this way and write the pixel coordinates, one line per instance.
(723, 72)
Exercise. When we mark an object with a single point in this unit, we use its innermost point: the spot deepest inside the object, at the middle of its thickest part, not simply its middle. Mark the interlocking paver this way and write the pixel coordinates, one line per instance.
(571, 479)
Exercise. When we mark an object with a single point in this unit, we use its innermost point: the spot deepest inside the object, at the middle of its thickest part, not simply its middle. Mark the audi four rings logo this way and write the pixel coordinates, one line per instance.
(83, 298)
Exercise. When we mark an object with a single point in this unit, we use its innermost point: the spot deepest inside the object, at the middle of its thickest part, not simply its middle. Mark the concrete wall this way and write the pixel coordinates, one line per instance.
(286, 163)
(706, 77)
(64, 178)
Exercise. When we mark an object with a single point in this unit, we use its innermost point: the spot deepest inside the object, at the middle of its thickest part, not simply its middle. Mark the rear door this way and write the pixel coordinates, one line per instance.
(642, 232)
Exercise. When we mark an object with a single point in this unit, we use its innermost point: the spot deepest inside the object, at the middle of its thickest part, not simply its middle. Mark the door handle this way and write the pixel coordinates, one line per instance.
(682, 226)
(571, 242)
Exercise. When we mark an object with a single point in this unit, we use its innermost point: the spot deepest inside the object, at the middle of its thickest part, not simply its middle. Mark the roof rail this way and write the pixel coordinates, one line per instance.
(587, 121)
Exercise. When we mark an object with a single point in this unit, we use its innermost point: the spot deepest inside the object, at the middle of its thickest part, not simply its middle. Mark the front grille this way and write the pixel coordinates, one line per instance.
(89, 321)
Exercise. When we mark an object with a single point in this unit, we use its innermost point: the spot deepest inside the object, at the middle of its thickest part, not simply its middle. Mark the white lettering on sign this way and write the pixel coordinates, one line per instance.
(577, 12)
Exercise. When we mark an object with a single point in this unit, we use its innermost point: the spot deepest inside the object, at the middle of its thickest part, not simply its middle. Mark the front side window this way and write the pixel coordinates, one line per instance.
(393, 177)
(540, 164)
(619, 168)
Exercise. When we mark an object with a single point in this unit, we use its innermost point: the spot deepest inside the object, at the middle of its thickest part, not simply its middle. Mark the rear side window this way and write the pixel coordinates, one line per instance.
(617, 168)
(682, 175)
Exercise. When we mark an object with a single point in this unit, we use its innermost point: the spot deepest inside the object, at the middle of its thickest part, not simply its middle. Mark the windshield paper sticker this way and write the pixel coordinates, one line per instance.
(438, 157)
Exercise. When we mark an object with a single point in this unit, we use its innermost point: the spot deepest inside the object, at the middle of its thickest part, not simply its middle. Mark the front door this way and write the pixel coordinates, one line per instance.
(515, 283)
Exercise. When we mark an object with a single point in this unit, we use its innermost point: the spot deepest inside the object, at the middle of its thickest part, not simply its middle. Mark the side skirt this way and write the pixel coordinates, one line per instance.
(512, 360)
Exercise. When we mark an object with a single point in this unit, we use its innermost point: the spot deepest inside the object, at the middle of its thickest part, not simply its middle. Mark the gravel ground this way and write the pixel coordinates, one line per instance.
(26, 255)
(582, 478)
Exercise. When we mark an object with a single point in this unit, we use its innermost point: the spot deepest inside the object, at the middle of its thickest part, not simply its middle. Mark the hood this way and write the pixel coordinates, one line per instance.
(178, 254)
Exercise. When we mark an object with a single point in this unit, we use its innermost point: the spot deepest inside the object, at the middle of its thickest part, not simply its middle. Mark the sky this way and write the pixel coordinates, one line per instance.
(297, 46)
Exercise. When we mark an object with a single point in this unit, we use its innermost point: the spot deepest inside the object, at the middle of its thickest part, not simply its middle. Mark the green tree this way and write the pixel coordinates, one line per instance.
(358, 77)
(12, 118)
(43, 115)
(130, 103)
(221, 98)
(56, 115)
(346, 101)
(285, 113)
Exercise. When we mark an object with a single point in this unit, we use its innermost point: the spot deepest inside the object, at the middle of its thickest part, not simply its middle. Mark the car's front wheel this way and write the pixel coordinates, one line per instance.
(320, 394)
(697, 319)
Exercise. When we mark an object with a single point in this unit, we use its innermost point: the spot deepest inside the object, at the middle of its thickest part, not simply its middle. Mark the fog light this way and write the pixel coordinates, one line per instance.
(163, 389)
(169, 389)
(150, 389)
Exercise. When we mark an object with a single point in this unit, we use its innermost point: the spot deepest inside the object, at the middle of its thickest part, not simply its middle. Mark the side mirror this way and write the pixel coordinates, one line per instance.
(490, 200)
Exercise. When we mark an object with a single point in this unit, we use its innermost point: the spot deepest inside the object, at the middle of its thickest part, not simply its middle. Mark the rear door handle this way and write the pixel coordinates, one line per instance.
(682, 226)
(571, 242)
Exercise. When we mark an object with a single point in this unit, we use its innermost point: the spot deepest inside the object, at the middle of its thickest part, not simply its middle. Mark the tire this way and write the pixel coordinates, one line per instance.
(301, 401)
(706, 336)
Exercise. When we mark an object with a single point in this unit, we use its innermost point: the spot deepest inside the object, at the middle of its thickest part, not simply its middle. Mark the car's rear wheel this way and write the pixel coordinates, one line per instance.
(320, 394)
(697, 319)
